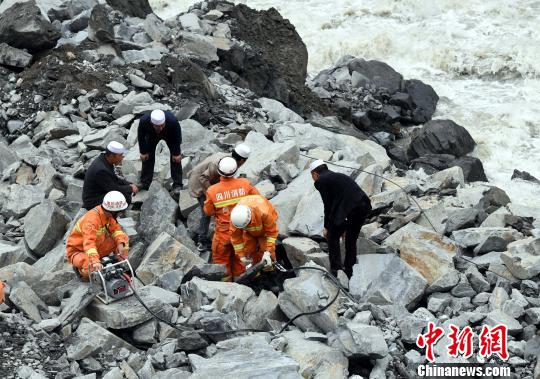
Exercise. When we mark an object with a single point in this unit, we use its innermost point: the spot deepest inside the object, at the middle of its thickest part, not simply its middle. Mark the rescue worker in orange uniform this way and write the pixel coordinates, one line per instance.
(98, 234)
(220, 200)
(2, 296)
(254, 230)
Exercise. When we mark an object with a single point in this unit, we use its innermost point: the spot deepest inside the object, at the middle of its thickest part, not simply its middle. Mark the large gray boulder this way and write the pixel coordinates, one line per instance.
(423, 100)
(25, 27)
(472, 237)
(259, 310)
(244, 363)
(377, 73)
(286, 201)
(316, 359)
(380, 279)
(306, 136)
(199, 47)
(428, 253)
(53, 260)
(11, 253)
(158, 213)
(301, 250)
(90, 339)
(357, 340)
(25, 299)
(523, 258)
(44, 225)
(163, 255)
(195, 136)
(10, 56)
(225, 297)
(441, 137)
(307, 292)
(7, 156)
(267, 157)
(19, 199)
(54, 126)
(130, 101)
(277, 112)
(308, 219)
(129, 312)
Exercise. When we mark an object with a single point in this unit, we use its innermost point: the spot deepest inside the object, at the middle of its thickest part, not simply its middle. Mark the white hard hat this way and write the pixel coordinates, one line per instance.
(241, 216)
(116, 147)
(114, 201)
(315, 164)
(227, 166)
(243, 150)
(157, 117)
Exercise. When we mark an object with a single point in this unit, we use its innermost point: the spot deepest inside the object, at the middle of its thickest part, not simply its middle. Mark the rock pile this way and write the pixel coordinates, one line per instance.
(441, 244)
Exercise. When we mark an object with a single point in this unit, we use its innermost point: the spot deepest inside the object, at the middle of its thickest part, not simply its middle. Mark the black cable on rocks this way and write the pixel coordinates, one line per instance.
(332, 278)
(410, 198)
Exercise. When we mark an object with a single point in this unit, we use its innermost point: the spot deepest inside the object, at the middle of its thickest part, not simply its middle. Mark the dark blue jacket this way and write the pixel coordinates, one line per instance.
(171, 134)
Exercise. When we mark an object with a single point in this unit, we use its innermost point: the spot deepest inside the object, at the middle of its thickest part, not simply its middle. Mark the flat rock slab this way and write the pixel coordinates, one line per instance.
(245, 363)
(90, 339)
(127, 312)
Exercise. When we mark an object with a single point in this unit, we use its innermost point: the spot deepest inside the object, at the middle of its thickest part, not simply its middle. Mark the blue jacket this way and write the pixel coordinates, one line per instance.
(171, 134)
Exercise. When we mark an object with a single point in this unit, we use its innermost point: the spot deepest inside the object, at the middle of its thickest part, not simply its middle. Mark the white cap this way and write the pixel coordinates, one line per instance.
(116, 147)
(227, 167)
(243, 150)
(315, 164)
(157, 117)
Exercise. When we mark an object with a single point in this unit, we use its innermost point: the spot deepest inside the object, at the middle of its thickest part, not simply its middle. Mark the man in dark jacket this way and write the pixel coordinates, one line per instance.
(100, 177)
(346, 207)
(154, 127)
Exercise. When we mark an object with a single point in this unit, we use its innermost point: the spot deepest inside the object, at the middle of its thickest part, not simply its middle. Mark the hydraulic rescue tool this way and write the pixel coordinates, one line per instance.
(114, 281)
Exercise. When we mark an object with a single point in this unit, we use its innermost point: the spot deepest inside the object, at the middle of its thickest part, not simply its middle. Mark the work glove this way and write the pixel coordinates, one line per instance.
(267, 258)
(245, 261)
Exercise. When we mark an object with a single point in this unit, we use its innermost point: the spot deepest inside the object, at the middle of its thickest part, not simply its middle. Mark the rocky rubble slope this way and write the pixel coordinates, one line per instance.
(76, 74)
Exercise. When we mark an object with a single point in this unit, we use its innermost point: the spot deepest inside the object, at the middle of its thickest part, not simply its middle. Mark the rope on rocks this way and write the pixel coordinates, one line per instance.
(422, 211)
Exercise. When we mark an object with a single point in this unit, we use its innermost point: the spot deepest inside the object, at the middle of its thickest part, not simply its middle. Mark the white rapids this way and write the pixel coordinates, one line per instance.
(481, 57)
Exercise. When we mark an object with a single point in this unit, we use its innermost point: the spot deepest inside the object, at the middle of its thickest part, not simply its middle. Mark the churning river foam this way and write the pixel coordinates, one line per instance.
(481, 57)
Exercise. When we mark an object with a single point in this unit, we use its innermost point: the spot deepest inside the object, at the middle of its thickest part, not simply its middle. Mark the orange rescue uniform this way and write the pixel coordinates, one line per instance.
(94, 236)
(2, 296)
(261, 233)
(220, 200)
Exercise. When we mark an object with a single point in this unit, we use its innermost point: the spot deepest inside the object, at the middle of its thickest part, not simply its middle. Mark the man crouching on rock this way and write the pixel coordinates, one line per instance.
(97, 234)
(346, 207)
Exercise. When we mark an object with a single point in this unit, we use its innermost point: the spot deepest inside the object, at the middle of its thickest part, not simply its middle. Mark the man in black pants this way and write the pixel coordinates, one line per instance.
(346, 207)
(154, 127)
(100, 177)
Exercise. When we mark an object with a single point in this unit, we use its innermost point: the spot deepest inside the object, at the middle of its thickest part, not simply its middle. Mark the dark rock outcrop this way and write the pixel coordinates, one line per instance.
(377, 73)
(423, 99)
(23, 26)
(258, 64)
(441, 137)
(524, 175)
(134, 8)
(473, 169)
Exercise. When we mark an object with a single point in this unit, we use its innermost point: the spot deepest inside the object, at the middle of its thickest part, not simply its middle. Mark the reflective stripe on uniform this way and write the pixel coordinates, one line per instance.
(117, 233)
(239, 246)
(78, 226)
(254, 229)
(270, 239)
(225, 203)
(91, 251)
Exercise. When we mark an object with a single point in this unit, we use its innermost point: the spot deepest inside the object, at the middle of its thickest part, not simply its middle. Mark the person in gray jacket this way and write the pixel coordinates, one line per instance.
(203, 176)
